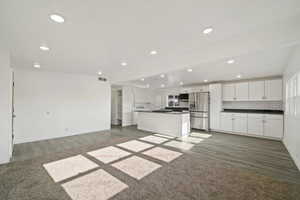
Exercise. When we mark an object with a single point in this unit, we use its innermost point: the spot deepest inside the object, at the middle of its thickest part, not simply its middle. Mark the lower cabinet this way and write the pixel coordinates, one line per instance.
(255, 124)
(234, 122)
(227, 122)
(273, 126)
(265, 125)
(240, 124)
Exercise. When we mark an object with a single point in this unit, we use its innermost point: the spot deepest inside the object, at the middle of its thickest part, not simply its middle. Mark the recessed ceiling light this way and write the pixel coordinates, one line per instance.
(100, 73)
(181, 83)
(44, 48)
(123, 63)
(231, 61)
(239, 76)
(153, 52)
(162, 85)
(189, 70)
(208, 30)
(147, 86)
(162, 76)
(205, 81)
(57, 18)
(36, 65)
(142, 79)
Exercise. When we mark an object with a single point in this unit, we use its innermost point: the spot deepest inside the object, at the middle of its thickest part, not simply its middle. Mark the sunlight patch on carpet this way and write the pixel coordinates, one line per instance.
(163, 154)
(136, 167)
(108, 154)
(66, 168)
(98, 185)
(135, 145)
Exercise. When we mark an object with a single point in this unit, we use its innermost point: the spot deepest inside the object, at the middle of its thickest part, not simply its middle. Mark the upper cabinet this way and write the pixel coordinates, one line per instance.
(256, 90)
(268, 90)
(241, 91)
(262, 90)
(273, 90)
(228, 92)
(236, 91)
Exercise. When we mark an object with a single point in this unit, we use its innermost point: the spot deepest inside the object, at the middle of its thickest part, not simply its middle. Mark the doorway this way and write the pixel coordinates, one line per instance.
(116, 106)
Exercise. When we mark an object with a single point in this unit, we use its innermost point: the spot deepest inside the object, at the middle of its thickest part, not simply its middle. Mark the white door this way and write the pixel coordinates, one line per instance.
(226, 122)
(229, 92)
(273, 90)
(255, 125)
(256, 90)
(242, 91)
(240, 124)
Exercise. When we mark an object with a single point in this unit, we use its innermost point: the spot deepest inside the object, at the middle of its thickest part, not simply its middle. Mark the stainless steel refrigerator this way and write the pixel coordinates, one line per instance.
(199, 110)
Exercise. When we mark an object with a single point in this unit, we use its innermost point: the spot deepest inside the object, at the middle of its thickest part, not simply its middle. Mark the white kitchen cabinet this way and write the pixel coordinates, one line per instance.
(240, 123)
(242, 91)
(255, 124)
(264, 125)
(227, 122)
(262, 90)
(215, 91)
(273, 90)
(135, 118)
(273, 126)
(256, 90)
(228, 92)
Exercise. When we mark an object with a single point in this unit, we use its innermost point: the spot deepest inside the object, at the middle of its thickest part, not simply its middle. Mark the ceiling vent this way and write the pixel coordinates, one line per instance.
(102, 79)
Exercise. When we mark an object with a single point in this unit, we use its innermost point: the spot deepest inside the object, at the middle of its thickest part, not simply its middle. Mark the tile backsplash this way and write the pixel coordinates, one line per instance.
(255, 105)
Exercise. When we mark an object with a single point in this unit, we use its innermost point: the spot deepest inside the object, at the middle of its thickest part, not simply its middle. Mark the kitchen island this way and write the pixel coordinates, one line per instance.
(176, 124)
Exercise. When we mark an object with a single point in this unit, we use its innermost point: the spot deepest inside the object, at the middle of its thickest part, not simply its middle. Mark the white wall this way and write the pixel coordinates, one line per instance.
(132, 96)
(5, 107)
(292, 106)
(51, 105)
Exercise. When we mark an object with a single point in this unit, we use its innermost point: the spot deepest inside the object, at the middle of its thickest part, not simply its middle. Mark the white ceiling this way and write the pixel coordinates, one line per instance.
(259, 64)
(99, 35)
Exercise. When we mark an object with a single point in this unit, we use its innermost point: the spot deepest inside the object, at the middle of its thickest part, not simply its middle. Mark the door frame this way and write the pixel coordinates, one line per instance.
(13, 114)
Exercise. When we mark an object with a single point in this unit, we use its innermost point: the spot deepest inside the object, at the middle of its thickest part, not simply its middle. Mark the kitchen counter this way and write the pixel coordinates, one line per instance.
(163, 112)
(176, 124)
(276, 112)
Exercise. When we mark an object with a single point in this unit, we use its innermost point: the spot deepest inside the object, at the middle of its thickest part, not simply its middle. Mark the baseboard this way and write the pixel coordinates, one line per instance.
(248, 135)
(296, 161)
(61, 136)
(4, 161)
